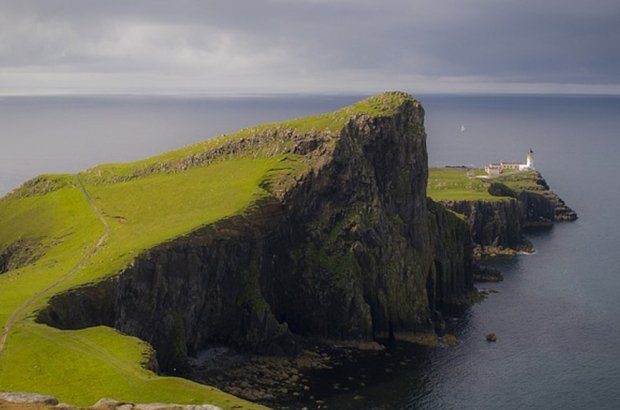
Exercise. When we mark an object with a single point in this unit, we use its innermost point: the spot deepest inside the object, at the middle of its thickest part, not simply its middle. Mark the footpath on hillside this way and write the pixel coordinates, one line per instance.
(15, 315)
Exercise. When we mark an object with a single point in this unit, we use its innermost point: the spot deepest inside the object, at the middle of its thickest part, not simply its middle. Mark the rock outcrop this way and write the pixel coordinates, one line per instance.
(350, 250)
(27, 398)
(497, 226)
(18, 254)
(492, 223)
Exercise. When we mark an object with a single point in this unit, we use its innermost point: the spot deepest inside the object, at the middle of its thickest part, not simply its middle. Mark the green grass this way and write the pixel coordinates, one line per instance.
(458, 184)
(521, 181)
(66, 227)
(144, 203)
(381, 105)
(81, 367)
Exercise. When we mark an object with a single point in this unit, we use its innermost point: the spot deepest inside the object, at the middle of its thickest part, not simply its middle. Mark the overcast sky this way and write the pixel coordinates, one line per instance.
(309, 46)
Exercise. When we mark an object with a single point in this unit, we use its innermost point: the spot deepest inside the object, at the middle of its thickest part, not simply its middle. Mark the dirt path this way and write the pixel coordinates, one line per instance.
(13, 318)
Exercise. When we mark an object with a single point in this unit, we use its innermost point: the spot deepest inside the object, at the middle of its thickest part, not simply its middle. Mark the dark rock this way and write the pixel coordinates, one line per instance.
(487, 274)
(19, 253)
(491, 337)
(497, 226)
(498, 189)
(492, 223)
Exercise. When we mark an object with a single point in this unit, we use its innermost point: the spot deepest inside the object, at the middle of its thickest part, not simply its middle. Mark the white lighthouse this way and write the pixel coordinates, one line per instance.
(529, 162)
(497, 168)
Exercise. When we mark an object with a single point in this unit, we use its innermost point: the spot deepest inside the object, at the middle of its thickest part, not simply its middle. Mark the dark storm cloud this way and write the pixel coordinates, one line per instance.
(311, 44)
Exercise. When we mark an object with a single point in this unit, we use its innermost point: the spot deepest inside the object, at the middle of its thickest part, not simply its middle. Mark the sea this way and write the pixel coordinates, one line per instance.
(557, 312)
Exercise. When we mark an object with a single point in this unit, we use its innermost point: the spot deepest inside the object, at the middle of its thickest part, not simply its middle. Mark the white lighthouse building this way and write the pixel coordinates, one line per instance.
(529, 162)
(497, 168)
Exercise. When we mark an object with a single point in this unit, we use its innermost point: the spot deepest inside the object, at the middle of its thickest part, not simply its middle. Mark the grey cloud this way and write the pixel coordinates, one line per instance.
(279, 41)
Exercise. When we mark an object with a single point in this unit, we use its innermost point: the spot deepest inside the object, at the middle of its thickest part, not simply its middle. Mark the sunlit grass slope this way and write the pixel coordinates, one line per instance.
(462, 184)
(458, 184)
(80, 367)
(144, 204)
(63, 227)
(521, 181)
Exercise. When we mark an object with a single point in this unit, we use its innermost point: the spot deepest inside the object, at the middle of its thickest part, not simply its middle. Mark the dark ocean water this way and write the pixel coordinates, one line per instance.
(557, 312)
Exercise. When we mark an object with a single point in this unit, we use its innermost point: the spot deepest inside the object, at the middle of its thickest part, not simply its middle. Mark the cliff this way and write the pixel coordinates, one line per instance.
(499, 209)
(344, 245)
(492, 223)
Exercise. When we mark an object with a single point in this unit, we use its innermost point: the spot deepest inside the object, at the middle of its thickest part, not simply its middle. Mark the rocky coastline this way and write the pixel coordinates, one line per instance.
(497, 227)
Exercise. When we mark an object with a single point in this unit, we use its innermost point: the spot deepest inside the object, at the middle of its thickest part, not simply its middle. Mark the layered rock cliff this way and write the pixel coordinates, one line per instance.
(492, 223)
(350, 249)
(526, 201)
(539, 204)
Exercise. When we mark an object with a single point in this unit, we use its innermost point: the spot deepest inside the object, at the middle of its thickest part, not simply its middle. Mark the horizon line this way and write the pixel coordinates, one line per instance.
(276, 94)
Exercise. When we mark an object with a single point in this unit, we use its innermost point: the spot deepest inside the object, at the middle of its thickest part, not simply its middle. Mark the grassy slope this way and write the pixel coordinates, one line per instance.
(521, 181)
(458, 184)
(66, 226)
(332, 122)
(82, 366)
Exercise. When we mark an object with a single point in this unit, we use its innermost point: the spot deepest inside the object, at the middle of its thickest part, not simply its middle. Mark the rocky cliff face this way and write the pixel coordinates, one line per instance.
(539, 204)
(497, 225)
(450, 275)
(352, 250)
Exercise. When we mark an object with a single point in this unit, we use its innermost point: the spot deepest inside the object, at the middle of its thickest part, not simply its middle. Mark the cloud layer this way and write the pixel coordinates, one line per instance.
(309, 46)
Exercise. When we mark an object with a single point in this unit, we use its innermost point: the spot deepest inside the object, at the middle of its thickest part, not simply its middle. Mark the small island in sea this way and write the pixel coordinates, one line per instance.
(297, 240)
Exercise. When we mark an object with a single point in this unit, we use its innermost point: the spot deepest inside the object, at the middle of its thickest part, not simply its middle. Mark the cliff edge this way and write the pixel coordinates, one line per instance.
(345, 249)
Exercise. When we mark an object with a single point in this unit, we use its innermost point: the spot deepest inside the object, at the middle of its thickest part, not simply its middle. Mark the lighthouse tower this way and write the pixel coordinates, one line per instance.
(529, 163)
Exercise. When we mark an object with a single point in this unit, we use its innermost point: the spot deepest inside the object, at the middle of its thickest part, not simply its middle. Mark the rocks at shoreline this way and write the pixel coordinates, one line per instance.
(450, 340)
(319, 372)
(487, 274)
(491, 251)
(273, 379)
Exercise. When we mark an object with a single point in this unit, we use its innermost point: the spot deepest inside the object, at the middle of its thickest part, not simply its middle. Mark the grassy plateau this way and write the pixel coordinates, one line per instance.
(465, 184)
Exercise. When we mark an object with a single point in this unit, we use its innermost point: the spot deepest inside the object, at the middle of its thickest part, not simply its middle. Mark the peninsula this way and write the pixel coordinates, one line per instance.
(498, 208)
(317, 228)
